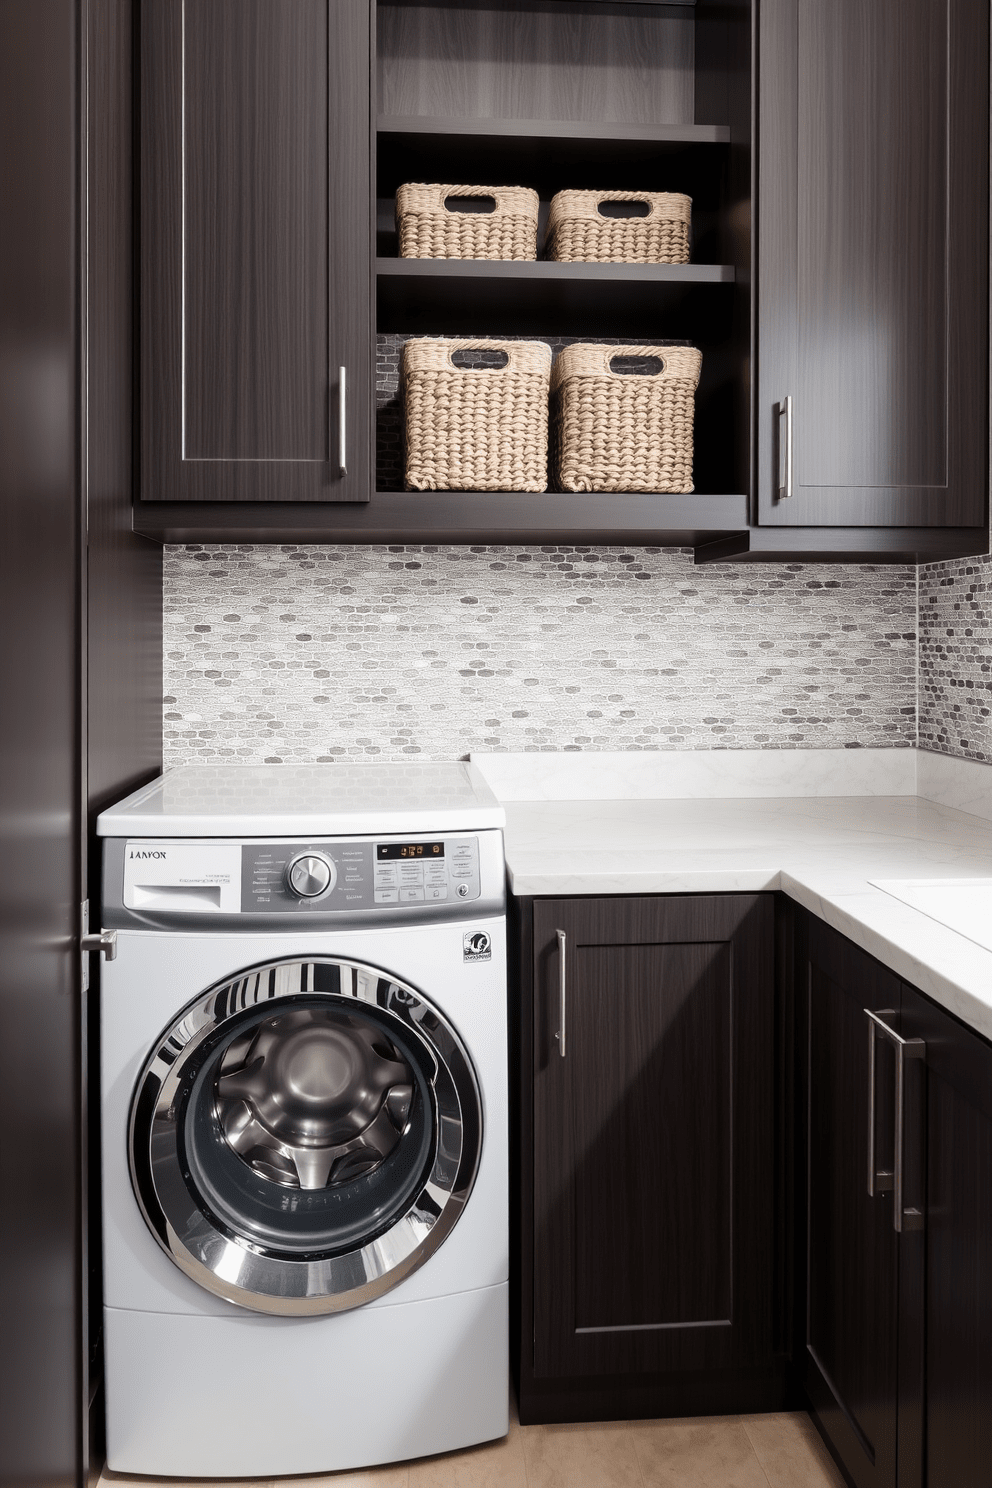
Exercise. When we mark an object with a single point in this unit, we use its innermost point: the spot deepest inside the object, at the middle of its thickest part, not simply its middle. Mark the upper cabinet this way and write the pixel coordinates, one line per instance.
(842, 406)
(254, 254)
(872, 380)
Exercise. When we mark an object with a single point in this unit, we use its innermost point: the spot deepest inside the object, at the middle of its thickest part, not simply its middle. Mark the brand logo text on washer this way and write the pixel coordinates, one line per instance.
(134, 854)
(477, 946)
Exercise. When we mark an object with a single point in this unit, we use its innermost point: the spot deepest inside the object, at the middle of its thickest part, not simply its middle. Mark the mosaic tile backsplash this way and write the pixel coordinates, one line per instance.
(956, 658)
(320, 653)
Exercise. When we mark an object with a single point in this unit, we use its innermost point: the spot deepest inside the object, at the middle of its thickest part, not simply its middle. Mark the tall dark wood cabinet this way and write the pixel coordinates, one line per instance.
(42, 1372)
(80, 677)
(873, 238)
(255, 233)
(646, 1255)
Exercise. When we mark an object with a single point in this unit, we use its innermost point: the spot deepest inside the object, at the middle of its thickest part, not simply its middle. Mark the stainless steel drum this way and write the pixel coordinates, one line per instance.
(305, 1136)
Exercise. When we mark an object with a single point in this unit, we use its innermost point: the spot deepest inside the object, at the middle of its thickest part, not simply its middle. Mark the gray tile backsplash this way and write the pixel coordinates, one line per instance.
(956, 658)
(310, 653)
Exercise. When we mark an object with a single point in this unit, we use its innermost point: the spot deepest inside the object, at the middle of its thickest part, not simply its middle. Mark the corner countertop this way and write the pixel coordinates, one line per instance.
(823, 851)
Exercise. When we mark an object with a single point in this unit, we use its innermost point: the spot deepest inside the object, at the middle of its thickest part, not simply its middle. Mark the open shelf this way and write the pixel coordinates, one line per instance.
(455, 517)
(552, 155)
(427, 128)
(457, 296)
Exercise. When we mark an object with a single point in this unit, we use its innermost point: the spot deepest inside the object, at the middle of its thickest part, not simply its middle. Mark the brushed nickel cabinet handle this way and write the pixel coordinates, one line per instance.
(785, 411)
(914, 1048)
(343, 420)
(560, 1035)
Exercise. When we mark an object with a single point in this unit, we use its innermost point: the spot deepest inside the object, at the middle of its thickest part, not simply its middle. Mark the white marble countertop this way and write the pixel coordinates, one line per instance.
(823, 851)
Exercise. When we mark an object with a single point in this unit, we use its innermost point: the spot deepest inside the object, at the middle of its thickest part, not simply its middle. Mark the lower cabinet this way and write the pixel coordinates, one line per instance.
(743, 1141)
(897, 1351)
(646, 1138)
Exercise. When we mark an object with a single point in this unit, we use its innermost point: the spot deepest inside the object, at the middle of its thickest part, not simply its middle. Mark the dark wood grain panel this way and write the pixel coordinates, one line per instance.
(123, 570)
(462, 297)
(959, 1297)
(43, 1391)
(852, 1251)
(546, 63)
(846, 545)
(652, 1168)
(873, 351)
(454, 517)
(652, 1177)
(255, 246)
(958, 1242)
(873, 261)
(255, 209)
(122, 599)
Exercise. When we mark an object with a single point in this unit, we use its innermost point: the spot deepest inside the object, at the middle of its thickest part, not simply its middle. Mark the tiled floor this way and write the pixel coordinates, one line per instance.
(777, 1451)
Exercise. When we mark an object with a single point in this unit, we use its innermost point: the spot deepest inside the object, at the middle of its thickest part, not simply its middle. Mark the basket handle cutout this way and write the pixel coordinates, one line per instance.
(479, 204)
(637, 366)
(624, 209)
(479, 359)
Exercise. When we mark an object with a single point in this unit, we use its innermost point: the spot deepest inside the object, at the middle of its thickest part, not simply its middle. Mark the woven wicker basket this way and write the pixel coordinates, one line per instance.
(577, 233)
(620, 432)
(476, 429)
(429, 229)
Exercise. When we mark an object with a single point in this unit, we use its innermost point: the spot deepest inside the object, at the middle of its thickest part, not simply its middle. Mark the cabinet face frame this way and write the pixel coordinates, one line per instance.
(921, 444)
(241, 394)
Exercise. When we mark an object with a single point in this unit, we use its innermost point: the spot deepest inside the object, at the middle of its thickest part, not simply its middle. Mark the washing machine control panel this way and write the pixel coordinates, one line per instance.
(349, 874)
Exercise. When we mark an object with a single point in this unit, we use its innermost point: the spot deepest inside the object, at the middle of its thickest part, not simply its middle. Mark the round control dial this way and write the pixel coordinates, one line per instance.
(310, 876)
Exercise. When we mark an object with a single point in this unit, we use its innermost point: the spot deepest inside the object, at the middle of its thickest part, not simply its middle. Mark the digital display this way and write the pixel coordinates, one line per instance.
(409, 850)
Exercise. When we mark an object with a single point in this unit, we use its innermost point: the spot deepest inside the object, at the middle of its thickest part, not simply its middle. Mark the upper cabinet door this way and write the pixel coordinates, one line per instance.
(255, 250)
(873, 262)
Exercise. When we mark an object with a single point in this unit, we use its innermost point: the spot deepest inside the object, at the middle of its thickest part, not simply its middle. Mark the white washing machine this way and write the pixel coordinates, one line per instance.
(304, 1112)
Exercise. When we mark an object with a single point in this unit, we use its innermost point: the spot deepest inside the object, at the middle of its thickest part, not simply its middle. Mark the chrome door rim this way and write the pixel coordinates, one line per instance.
(230, 1265)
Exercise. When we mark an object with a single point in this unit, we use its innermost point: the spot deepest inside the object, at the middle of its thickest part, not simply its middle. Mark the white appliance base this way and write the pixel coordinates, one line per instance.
(256, 1397)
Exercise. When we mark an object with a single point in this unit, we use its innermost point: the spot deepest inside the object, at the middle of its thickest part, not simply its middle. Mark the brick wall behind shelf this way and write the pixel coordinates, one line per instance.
(311, 653)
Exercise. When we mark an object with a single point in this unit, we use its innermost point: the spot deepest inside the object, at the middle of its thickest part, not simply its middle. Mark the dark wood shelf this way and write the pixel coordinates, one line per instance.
(546, 272)
(663, 6)
(845, 545)
(475, 297)
(429, 127)
(452, 517)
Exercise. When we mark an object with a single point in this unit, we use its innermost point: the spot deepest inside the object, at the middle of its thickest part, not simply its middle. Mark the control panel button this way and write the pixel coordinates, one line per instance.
(310, 876)
(411, 896)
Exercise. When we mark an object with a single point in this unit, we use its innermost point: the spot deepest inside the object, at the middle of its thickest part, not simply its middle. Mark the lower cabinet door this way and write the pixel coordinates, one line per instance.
(851, 1361)
(653, 1127)
(958, 1329)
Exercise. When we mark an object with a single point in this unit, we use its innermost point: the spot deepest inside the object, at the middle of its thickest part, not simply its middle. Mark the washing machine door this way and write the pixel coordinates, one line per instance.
(304, 1137)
